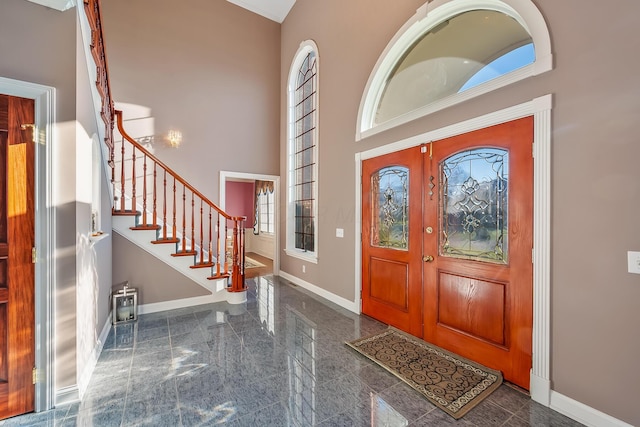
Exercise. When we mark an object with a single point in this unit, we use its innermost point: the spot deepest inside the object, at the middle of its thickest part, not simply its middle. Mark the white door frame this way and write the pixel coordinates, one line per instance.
(45, 221)
(540, 109)
(235, 176)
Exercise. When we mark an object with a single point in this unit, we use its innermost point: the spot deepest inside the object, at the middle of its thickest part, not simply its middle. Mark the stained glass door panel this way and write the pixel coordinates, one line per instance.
(474, 205)
(390, 192)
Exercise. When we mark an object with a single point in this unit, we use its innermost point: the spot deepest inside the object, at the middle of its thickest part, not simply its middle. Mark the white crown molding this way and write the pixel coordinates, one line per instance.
(60, 5)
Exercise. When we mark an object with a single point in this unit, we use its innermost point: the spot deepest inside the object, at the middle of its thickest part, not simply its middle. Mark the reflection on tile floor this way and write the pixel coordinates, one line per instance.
(279, 360)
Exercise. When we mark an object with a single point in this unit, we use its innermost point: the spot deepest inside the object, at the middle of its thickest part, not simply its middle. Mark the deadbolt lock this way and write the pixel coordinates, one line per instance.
(427, 258)
(429, 230)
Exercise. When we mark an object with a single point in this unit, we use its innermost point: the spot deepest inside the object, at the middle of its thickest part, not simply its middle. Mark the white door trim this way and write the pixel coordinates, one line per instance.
(540, 109)
(44, 97)
(238, 176)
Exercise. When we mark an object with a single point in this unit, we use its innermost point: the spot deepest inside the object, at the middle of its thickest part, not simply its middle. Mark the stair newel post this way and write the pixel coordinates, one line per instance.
(133, 179)
(155, 195)
(122, 177)
(144, 190)
(237, 279)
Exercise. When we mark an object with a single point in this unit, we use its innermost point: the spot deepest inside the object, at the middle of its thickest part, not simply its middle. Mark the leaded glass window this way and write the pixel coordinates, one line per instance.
(473, 205)
(390, 196)
(304, 153)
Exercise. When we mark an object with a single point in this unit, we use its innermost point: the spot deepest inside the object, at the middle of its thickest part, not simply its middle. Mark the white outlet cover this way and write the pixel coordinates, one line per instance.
(339, 232)
(633, 260)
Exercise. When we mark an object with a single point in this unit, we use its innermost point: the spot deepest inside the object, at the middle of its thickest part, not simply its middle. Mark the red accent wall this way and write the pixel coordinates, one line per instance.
(239, 200)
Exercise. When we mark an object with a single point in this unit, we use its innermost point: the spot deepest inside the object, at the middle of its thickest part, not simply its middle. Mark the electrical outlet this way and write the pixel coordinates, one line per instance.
(633, 259)
(339, 232)
(304, 268)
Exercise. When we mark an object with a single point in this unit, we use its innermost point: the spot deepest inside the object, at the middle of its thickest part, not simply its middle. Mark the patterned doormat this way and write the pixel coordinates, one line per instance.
(454, 384)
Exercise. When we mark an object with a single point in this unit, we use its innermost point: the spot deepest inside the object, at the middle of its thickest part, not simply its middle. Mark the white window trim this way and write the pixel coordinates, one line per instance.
(290, 249)
(427, 17)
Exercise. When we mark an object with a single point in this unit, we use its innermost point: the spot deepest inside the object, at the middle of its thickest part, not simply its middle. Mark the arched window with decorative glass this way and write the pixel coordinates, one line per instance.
(302, 153)
(451, 51)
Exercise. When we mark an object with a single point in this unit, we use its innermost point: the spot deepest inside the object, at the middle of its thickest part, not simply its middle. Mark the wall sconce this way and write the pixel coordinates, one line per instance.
(174, 137)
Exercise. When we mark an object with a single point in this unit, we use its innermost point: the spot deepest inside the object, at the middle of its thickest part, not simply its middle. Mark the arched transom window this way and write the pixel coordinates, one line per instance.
(452, 51)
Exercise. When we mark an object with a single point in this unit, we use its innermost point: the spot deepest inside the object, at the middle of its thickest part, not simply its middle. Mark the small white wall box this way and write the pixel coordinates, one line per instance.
(125, 305)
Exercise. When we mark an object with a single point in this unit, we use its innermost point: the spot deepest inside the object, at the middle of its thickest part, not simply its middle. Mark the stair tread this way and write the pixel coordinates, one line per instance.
(167, 240)
(185, 253)
(219, 276)
(126, 212)
(203, 265)
(146, 227)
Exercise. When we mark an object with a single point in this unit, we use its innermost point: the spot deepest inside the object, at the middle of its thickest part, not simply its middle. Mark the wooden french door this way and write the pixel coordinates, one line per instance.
(391, 239)
(476, 237)
(17, 234)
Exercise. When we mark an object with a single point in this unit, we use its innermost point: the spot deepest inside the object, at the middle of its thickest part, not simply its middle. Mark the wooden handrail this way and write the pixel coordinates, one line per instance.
(118, 114)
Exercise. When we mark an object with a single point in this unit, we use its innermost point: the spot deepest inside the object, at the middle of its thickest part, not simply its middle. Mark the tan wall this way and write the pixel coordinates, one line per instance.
(595, 177)
(207, 68)
(154, 280)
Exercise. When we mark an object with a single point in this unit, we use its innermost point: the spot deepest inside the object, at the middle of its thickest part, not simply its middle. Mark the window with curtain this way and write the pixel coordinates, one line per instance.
(302, 153)
(264, 218)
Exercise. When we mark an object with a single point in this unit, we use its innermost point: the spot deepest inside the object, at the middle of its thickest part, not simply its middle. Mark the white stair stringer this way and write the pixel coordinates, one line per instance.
(143, 238)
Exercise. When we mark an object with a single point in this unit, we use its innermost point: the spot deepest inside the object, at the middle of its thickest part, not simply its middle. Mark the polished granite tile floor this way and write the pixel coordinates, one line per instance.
(278, 360)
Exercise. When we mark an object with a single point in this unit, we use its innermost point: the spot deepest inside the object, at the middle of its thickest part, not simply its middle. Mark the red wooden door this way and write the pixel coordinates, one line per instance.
(17, 303)
(479, 285)
(461, 276)
(392, 240)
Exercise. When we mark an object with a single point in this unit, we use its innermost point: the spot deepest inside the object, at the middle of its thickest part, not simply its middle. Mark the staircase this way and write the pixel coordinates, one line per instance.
(157, 209)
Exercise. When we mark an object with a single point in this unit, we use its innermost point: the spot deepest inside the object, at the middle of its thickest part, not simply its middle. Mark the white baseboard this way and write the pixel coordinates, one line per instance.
(342, 302)
(67, 395)
(582, 413)
(85, 376)
(181, 303)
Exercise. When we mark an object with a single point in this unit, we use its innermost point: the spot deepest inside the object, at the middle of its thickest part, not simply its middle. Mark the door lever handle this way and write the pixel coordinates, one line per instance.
(427, 258)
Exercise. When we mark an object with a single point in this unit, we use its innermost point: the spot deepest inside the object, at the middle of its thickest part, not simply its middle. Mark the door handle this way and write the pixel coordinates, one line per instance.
(427, 258)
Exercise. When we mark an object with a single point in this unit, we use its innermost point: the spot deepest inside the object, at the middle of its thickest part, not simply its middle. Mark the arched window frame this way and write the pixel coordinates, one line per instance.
(429, 16)
(305, 48)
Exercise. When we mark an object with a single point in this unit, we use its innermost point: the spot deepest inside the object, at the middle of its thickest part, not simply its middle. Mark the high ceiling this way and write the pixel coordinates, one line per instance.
(275, 10)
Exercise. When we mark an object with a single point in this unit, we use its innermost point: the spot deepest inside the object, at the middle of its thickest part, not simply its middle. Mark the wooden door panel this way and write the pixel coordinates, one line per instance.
(389, 283)
(17, 235)
(473, 307)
